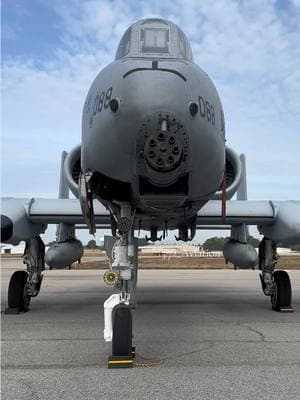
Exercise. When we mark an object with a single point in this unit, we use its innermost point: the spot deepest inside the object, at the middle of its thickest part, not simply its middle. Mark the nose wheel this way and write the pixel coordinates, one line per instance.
(281, 297)
(122, 350)
(122, 331)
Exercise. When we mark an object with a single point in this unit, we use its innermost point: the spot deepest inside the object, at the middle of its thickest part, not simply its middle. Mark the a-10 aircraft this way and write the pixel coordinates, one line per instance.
(152, 157)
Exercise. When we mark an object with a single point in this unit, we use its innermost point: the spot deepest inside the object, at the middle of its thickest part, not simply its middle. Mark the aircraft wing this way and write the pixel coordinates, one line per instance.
(277, 220)
(22, 219)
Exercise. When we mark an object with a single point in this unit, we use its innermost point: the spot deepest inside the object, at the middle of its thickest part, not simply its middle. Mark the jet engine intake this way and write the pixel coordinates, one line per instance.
(72, 168)
(234, 169)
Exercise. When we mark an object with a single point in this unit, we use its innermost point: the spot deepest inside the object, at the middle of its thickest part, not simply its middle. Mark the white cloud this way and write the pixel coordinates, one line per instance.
(296, 3)
(7, 33)
(249, 49)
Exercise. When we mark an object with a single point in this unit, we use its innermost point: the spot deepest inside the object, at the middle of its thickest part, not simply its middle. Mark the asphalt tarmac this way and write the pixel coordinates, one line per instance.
(215, 329)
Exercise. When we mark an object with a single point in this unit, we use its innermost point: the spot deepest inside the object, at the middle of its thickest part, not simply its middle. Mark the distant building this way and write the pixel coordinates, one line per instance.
(283, 251)
(17, 250)
(177, 250)
(10, 249)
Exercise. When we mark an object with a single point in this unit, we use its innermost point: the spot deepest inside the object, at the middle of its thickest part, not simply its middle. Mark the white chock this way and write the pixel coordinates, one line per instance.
(109, 305)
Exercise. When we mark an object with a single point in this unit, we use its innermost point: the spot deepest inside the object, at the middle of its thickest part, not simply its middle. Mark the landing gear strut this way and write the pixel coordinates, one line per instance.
(26, 284)
(275, 284)
(117, 308)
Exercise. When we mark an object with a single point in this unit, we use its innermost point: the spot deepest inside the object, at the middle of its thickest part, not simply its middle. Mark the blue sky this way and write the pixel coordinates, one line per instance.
(52, 50)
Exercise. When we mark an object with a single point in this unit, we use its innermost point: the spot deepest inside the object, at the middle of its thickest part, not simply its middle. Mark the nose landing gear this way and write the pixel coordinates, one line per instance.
(117, 308)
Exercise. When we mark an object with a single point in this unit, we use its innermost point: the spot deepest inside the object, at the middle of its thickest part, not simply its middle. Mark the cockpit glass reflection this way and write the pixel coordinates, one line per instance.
(124, 46)
(154, 40)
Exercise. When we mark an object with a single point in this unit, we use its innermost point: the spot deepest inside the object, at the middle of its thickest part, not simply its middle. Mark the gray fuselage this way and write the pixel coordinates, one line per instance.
(153, 134)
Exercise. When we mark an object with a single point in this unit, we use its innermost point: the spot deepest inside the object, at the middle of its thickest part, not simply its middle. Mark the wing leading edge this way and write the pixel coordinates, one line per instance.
(22, 219)
(277, 220)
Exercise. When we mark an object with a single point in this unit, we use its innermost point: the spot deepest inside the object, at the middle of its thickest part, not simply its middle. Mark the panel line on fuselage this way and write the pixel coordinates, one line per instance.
(155, 69)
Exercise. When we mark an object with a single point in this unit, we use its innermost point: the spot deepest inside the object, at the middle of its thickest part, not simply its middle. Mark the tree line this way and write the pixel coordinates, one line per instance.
(215, 243)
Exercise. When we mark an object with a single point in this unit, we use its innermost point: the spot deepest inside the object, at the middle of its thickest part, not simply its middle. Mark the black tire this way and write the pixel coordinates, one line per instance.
(38, 286)
(282, 296)
(122, 331)
(17, 293)
(263, 285)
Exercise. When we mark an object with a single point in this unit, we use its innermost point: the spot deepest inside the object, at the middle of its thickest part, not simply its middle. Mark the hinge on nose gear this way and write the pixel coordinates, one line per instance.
(86, 201)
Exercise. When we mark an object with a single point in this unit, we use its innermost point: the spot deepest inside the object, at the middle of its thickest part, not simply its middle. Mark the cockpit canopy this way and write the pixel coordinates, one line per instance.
(154, 38)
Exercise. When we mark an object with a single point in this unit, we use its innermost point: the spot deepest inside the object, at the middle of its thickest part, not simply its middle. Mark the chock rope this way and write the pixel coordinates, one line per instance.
(149, 362)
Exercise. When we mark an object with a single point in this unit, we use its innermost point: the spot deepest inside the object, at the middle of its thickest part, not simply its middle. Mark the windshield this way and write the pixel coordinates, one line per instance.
(124, 46)
(155, 38)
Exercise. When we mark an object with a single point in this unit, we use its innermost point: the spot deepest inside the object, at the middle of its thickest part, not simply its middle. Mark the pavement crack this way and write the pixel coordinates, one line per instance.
(179, 355)
(48, 366)
(260, 334)
(50, 339)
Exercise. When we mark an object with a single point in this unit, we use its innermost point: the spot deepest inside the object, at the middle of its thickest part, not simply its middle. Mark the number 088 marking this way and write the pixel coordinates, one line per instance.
(207, 110)
(102, 100)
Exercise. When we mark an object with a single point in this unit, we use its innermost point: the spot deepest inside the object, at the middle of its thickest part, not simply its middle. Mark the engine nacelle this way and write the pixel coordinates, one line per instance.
(234, 169)
(61, 255)
(72, 168)
(242, 255)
